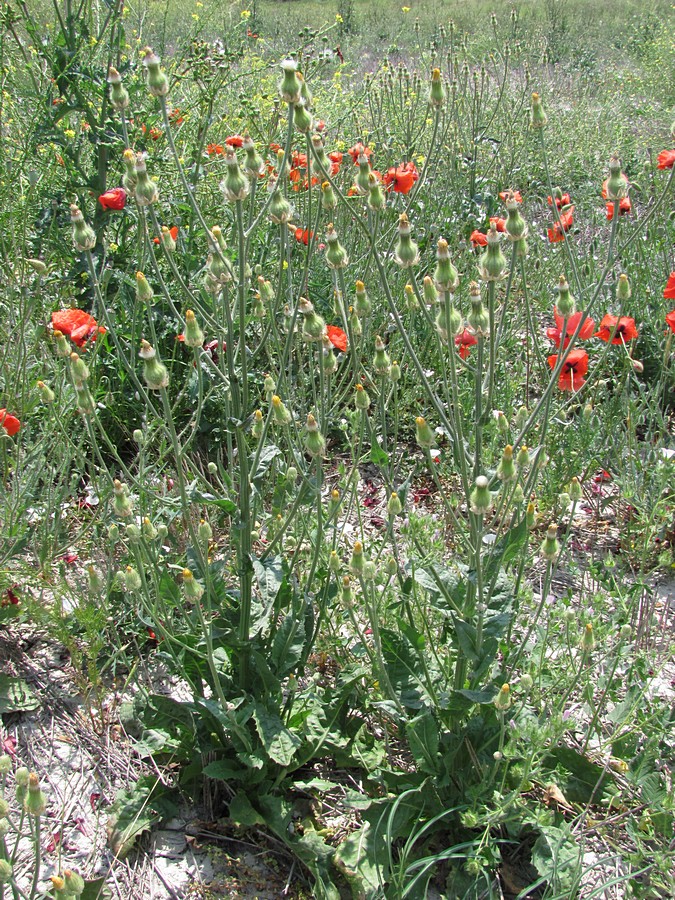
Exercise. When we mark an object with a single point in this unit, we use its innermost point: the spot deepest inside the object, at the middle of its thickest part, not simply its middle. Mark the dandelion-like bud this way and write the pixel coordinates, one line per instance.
(478, 318)
(280, 414)
(258, 425)
(192, 589)
(377, 200)
(328, 360)
(234, 185)
(305, 93)
(192, 335)
(358, 559)
(336, 255)
(369, 570)
(550, 548)
(269, 386)
(406, 253)
(62, 346)
(146, 191)
(302, 118)
(315, 442)
(5, 764)
(132, 580)
(480, 500)
(155, 373)
(84, 237)
(362, 180)
(148, 530)
(588, 638)
(448, 319)
(616, 186)
(254, 163)
(78, 370)
(361, 398)
(129, 180)
(35, 801)
(354, 323)
(119, 96)
(429, 291)
(502, 422)
(158, 83)
(74, 883)
(516, 226)
(565, 303)
(362, 304)
(334, 563)
(503, 699)
(575, 492)
(6, 871)
(133, 533)
(328, 198)
(492, 264)
(167, 239)
(290, 85)
(623, 290)
(523, 458)
(280, 210)
(437, 91)
(381, 360)
(320, 161)
(521, 418)
(85, 401)
(395, 372)
(333, 502)
(144, 293)
(445, 274)
(423, 433)
(394, 506)
(95, 581)
(538, 117)
(347, 594)
(506, 471)
(313, 326)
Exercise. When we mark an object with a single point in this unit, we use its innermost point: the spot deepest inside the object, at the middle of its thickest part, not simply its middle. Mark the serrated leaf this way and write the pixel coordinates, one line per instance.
(280, 744)
(224, 770)
(378, 456)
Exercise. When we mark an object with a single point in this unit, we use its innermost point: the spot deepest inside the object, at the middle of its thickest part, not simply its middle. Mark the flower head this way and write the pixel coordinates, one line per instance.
(625, 206)
(78, 325)
(234, 140)
(115, 198)
(359, 150)
(573, 370)
(9, 422)
(337, 337)
(666, 159)
(669, 289)
(617, 329)
(557, 233)
(465, 341)
(401, 178)
(670, 320)
(555, 334)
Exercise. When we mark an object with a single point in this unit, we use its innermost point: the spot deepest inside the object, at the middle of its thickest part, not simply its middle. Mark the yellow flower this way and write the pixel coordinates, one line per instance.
(338, 18)
(246, 13)
(69, 133)
(195, 17)
(405, 9)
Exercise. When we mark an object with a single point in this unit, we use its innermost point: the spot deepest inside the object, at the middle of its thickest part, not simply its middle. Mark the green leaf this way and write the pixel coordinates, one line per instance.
(378, 456)
(269, 576)
(242, 811)
(267, 457)
(225, 770)
(16, 696)
(403, 668)
(228, 506)
(135, 811)
(586, 781)
(556, 857)
(280, 744)
(507, 548)
(96, 889)
(422, 733)
(287, 645)
(361, 857)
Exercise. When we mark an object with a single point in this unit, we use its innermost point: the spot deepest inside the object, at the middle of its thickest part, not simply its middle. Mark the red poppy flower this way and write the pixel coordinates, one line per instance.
(401, 178)
(234, 140)
(604, 185)
(465, 341)
(478, 239)
(335, 158)
(299, 160)
(670, 320)
(556, 233)
(623, 328)
(337, 337)
(115, 198)
(666, 159)
(625, 206)
(251, 34)
(565, 200)
(175, 117)
(499, 223)
(78, 325)
(669, 290)
(573, 370)
(572, 323)
(172, 231)
(215, 149)
(9, 422)
(154, 132)
(359, 150)
(516, 196)
(303, 235)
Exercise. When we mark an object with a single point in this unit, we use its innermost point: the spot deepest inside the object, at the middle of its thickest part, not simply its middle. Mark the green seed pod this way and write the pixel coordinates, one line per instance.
(280, 210)
(445, 275)
(84, 237)
(280, 414)
(506, 471)
(381, 360)
(478, 318)
(155, 372)
(119, 96)
(234, 185)
(361, 398)
(290, 85)
(315, 443)
(538, 117)
(336, 255)
(146, 191)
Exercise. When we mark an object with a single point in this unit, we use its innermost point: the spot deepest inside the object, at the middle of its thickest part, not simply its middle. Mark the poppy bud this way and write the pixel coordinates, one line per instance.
(62, 346)
(406, 252)
(492, 264)
(328, 198)
(84, 237)
(158, 83)
(132, 580)
(35, 801)
(437, 91)
(191, 587)
(575, 492)
(146, 191)
(523, 458)
(516, 227)
(133, 533)
(481, 498)
(315, 443)
(313, 326)
(254, 163)
(362, 304)
(129, 179)
(347, 593)
(336, 255)
(192, 335)
(506, 471)
(538, 117)
(74, 883)
(78, 370)
(204, 532)
(565, 303)
(280, 210)
(361, 398)
(357, 560)
(423, 433)
(155, 372)
(290, 85)
(394, 506)
(638, 366)
(95, 581)
(588, 638)
(302, 118)
(429, 291)
(623, 291)
(616, 186)
(550, 548)
(445, 274)
(119, 96)
(381, 360)
(280, 415)
(46, 393)
(334, 564)
(395, 372)
(478, 318)
(503, 699)
(257, 427)
(234, 185)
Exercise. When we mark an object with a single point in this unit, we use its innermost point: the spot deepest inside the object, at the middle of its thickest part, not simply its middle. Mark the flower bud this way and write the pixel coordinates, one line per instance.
(95, 581)
(113, 533)
(144, 293)
(328, 198)
(158, 83)
(37, 265)
(280, 414)
(122, 502)
(234, 185)
(334, 564)
(502, 423)
(35, 801)
(362, 180)
(362, 304)
(192, 335)
(167, 240)
(62, 347)
(503, 699)
(74, 883)
(346, 593)
(390, 566)
(406, 252)
(280, 210)
(132, 580)
(550, 548)
(518, 496)
(84, 238)
(478, 318)
(155, 372)
(506, 471)
(523, 458)
(129, 180)
(146, 191)
(538, 117)
(521, 418)
(254, 163)
(148, 529)
(328, 360)
(429, 291)
(437, 91)
(315, 443)
(361, 398)
(258, 425)
(191, 587)
(336, 255)
(269, 386)
(638, 366)
(46, 393)
(6, 871)
(78, 370)
(625, 633)
(313, 326)
(377, 200)
(5, 764)
(516, 227)
(85, 401)
(616, 186)
(623, 291)
(381, 360)
(133, 533)
(290, 85)
(575, 492)
(119, 96)
(526, 683)
(21, 777)
(448, 319)
(394, 506)
(531, 515)
(480, 500)
(410, 298)
(369, 570)
(395, 372)
(357, 561)
(588, 638)
(492, 264)
(565, 303)
(162, 532)
(302, 118)
(354, 325)
(445, 274)
(333, 502)
(423, 433)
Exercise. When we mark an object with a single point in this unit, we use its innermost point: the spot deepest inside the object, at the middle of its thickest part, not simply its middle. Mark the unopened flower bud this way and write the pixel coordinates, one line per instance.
(192, 335)
(95, 581)
(269, 386)
(616, 186)
(506, 471)
(480, 500)
(132, 580)
(361, 398)
(503, 699)
(538, 117)
(429, 291)
(302, 118)
(575, 492)
(46, 393)
(521, 418)
(478, 318)
(423, 434)
(406, 252)
(191, 587)
(526, 683)
(346, 592)
(588, 638)
(5, 764)
(394, 505)
(565, 303)
(437, 91)
(148, 529)
(381, 360)
(235, 185)
(254, 163)
(313, 326)
(258, 426)
(625, 633)
(336, 255)
(395, 372)
(328, 198)
(550, 548)
(37, 265)
(280, 210)
(155, 372)
(290, 85)
(84, 237)
(144, 293)
(280, 414)
(445, 274)
(334, 564)
(133, 533)
(523, 458)
(158, 83)
(119, 96)
(623, 290)
(146, 191)
(377, 200)
(62, 347)
(315, 442)
(357, 560)
(35, 801)
(362, 304)
(492, 264)
(333, 502)
(516, 227)
(369, 570)
(74, 883)
(122, 502)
